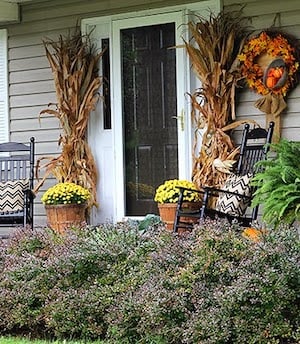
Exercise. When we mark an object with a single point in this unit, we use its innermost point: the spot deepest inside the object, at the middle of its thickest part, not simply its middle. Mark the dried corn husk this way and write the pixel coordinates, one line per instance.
(74, 64)
(213, 51)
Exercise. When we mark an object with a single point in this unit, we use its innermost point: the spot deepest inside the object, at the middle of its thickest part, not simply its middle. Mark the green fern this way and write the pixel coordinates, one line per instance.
(278, 184)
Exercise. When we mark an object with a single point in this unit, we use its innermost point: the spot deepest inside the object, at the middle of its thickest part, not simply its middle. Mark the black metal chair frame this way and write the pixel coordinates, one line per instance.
(251, 151)
(16, 163)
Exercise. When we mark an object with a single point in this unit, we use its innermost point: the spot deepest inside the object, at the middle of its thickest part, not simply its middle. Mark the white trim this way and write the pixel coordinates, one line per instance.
(4, 129)
(183, 108)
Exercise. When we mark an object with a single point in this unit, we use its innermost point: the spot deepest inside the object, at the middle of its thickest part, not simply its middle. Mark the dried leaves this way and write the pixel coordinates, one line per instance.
(213, 50)
(74, 63)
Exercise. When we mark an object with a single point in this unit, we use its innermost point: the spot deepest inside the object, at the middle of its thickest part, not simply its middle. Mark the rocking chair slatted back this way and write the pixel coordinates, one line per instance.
(16, 183)
(14, 168)
(253, 148)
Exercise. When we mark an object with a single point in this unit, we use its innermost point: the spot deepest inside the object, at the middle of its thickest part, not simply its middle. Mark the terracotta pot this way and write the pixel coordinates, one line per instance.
(63, 216)
(167, 213)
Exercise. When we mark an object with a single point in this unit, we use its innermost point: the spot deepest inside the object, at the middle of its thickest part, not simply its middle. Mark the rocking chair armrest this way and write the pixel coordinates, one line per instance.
(29, 193)
(211, 191)
(182, 188)
(181, 194)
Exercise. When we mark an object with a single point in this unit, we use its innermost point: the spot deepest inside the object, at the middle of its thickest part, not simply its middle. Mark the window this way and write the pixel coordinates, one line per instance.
(3, 87)
(106, 84)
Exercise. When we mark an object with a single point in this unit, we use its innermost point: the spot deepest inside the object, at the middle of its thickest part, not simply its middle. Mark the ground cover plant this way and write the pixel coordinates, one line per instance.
(128, 283)
(15, 340)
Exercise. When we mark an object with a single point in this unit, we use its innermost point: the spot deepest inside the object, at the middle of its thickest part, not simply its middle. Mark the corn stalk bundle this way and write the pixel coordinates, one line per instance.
(74, 63)
(213, 49)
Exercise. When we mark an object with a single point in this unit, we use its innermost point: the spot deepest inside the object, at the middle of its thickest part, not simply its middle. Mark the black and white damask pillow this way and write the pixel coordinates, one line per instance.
(12, 195)
(233, 204)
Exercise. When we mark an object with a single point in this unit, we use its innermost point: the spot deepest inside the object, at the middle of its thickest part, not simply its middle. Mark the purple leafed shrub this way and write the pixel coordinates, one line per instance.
(124, 285)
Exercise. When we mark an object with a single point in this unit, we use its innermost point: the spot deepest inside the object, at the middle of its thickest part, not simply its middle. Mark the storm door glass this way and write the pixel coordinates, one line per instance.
(149, 108)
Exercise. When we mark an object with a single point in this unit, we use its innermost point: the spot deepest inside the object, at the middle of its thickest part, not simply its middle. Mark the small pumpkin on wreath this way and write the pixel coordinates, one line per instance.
(276, 75)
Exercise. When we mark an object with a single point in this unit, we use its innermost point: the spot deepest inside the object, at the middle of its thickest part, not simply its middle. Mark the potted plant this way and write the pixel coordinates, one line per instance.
(66, 205)
(278, 184)
(167, 194)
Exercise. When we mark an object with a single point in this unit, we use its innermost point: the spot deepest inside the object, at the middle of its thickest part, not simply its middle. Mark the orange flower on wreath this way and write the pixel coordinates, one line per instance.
(275, 47)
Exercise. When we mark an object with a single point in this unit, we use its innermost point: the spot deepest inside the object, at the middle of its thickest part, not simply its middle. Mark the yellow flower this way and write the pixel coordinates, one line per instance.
(66, 193)
(168, 192)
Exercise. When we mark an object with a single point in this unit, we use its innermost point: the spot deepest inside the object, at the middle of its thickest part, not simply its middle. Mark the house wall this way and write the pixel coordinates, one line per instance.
(31, 86)
(30, 80)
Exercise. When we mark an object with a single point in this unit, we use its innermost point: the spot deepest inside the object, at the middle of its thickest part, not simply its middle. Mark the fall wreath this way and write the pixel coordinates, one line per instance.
(269, 63)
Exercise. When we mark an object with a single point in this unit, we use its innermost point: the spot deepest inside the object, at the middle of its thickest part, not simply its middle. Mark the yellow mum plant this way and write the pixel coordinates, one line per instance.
(168, 192)
(66, 193)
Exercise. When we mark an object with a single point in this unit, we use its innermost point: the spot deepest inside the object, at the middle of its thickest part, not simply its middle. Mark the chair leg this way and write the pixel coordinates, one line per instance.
(25, 216)
(204, 206)
(177, 214)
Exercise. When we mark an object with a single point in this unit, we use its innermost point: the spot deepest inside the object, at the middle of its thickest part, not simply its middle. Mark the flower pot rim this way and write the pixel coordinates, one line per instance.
(172, 203)
(66, 205)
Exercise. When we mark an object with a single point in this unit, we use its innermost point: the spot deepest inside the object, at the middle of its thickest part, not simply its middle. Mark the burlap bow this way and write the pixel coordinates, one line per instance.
(272, 105)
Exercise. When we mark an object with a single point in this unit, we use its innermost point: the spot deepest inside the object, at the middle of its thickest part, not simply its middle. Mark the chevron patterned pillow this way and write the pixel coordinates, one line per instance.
(232, 204)
(12, 195)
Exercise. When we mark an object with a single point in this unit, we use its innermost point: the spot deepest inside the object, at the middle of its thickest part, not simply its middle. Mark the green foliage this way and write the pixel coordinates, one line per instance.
(63, 286)
(278, 185)
(16, 340)
(252, 297)
(120, 284)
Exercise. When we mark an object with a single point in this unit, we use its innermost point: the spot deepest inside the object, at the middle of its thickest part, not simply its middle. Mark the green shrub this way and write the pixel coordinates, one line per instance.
(154, 312)
(62, 286)
(253, 296)
(123, 285)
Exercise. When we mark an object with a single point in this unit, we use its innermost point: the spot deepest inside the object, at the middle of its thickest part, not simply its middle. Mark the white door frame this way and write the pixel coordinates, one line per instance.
(117, 95)
(114, 188)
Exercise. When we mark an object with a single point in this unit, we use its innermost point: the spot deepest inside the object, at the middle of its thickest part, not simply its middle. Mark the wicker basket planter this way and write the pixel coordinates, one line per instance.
(63, 216)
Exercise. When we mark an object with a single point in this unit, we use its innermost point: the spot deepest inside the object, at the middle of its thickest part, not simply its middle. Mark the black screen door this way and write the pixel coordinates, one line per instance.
(149, 106)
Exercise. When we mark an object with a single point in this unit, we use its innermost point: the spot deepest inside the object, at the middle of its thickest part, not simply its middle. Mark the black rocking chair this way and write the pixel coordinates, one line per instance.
(235, 197)
(16, 184)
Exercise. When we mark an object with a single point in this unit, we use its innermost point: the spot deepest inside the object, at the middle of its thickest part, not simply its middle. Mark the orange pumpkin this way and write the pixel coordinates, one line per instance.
(278, 72)
(271, 72)
(271, 81)
(253, 234)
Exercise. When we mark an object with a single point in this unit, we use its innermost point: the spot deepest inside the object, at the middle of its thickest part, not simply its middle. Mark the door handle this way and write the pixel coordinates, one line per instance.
(180, 118)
